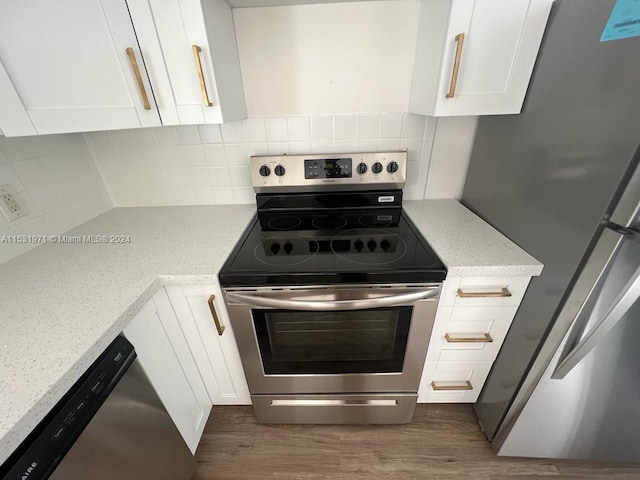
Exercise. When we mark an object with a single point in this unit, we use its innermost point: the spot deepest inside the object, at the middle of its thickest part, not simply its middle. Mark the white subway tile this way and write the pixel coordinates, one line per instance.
(254, 130)
(193, 155)
(159, 178)
(203, 195)
(276, 129)
(99, 139)
(129, 157)
(165, 197)
(324, 146)
(166, 136)
(322, 128)
(239, 176)
(146, 197)
(30, 172)
(45, 198)
(296, 148)
(151, 156)
(388, 144)
(57, 166)
(278, 148)
(298, 128)
(367, 145)
(17, 148)
(188, 135)
(121, 198)
(345, 146)
(345, 127)
(58, 221)
(34, 227)
(244, 195)
(210, 134)
(219, 177)
(179, 177)
(257, 149)
(172, 156)
(145, 137)
(413, 125)
(236, 154)
(198, 176)
(223, 195)
(414, 148)
(183, 196)
(368, 126)
(232, 132)
(3, 157)
(8, 175)
(52, 144)
(214, 155)
(390, 125)
(123, 138)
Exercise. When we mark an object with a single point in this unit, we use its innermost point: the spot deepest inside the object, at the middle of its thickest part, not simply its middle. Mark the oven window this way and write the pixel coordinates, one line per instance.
(356, 341)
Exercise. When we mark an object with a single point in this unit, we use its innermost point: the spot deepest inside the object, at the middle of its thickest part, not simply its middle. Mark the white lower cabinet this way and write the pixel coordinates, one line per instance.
(166, 358)
(210, 336)
(473, 317)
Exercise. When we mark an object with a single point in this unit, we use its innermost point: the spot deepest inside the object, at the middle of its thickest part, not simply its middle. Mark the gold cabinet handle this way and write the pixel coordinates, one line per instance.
(466, 386)
(452, 338)
(456, 65)
(216, 320)
(203, 85)
(136, 70)
(504, 292)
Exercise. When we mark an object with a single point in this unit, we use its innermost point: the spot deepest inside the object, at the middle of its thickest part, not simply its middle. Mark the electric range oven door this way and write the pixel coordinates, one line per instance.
(354, 339)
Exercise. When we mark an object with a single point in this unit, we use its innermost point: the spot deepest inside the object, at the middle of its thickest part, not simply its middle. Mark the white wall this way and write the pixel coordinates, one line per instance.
(450, 156)
(327, 59)
(205, 164)
(58, 181)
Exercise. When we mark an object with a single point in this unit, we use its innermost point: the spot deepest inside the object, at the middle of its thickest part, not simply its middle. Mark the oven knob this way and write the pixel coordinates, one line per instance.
(385, 245)
(358, 245)
(362, 168)
(275, 248)
(392, 167)
(287, 246)
(279, 170)
(372, 245)
(376, 168)
(265, 171)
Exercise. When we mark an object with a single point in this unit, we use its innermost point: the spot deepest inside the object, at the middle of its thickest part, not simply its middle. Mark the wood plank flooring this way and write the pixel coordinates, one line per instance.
(443, 442)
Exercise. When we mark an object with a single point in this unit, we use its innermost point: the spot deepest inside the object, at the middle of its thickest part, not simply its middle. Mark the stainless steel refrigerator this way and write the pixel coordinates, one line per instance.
(562, 181)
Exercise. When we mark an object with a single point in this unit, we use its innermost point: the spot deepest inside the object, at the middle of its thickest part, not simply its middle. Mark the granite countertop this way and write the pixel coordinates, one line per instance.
(62, 304)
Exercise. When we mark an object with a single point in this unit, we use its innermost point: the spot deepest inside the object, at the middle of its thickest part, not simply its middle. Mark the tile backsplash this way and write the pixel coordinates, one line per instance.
(205, 164)
(58, 181)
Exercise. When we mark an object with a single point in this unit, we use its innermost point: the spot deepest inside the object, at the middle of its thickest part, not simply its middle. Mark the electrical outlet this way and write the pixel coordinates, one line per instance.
(11, 203)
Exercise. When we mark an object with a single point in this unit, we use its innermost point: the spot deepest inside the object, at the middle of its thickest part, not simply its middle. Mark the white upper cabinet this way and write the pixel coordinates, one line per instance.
(191, 53)
(475, 57)
(82, 65)
(64, 67)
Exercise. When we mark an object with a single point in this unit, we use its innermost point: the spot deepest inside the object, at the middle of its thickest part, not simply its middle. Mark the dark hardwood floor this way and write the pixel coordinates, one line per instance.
(443, 442)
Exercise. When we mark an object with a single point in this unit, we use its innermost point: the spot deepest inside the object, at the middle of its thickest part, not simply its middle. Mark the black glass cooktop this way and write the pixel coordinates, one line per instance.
(328, 246)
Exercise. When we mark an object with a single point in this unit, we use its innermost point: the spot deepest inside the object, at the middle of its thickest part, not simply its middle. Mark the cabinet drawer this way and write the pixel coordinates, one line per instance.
(469, 333)
(483, 291)
(452, 382)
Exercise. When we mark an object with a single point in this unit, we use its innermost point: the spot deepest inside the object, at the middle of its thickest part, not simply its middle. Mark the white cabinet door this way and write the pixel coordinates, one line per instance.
(215, 351)
(193, 59)
(496, 43)
(167, 360)
(64, 67)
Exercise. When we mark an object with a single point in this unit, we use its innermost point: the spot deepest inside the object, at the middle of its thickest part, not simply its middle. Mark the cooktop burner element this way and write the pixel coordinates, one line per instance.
(326, 221)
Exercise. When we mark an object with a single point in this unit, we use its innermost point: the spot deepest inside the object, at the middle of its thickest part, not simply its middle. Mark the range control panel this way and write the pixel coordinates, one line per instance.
(346, 171)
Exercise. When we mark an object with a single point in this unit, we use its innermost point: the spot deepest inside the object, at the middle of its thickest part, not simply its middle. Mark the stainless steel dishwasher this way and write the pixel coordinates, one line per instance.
(111, 424)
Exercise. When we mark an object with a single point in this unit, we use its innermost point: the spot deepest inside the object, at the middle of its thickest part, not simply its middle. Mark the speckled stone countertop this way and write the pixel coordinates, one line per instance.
(61, 305)
(466, 244)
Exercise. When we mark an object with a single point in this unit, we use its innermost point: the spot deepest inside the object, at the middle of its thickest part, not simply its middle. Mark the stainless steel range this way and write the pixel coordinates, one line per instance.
(331, 291)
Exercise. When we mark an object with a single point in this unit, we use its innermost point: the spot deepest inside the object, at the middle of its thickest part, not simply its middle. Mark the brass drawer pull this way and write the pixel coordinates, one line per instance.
(456, 66)
(504, 292)
(136, 71)
(467, 386)
(216, 320)
(452, 338)
(203, 85)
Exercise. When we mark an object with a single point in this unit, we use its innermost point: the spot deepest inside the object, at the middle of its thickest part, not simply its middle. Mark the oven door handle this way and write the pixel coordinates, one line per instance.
(332, 305)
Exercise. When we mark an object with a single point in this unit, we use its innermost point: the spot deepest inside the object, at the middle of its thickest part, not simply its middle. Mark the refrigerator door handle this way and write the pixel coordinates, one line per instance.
(621, 305)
